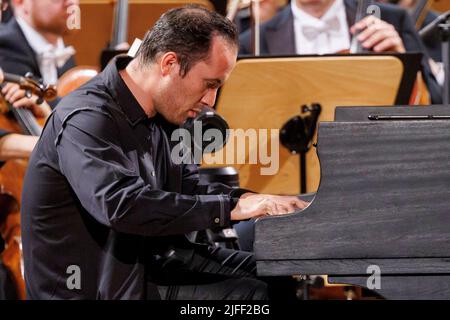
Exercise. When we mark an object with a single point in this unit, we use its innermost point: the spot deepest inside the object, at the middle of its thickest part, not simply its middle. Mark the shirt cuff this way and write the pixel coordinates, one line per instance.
(233, 203)
(235, 194)
(238, 192)
(227, 203)
(224, 219)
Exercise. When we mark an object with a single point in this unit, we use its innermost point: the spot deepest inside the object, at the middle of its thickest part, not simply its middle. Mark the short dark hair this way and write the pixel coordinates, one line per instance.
(188, 32)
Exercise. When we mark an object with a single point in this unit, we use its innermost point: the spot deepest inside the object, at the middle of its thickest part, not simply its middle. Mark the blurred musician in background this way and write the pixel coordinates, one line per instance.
(32, 40)
(432, 41)
(426, 16)
(20, 52)
(13, 145)
(326, 26)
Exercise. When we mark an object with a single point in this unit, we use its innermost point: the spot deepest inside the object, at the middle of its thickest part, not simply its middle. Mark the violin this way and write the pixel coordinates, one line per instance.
(12, 173)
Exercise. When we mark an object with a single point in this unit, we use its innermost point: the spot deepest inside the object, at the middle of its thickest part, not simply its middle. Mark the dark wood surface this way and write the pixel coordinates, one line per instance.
(361, 114)
(383, 199)
(354, 266)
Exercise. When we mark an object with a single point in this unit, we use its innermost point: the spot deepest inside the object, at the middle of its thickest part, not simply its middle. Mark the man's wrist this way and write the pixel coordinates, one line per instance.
(239, 192)
(234, 199)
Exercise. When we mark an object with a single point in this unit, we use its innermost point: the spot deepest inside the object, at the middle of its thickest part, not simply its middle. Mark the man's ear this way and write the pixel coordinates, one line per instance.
(169, 63)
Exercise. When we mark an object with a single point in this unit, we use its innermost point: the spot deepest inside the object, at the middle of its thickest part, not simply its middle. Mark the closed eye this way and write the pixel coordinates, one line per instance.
(213, 84)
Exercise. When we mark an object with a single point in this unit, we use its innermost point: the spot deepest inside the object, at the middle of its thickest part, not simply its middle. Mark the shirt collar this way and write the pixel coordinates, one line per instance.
(120, 91)
(36, 41)
(304, 17)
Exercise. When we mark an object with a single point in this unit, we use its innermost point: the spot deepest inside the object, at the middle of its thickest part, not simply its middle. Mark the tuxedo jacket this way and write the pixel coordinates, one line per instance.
(16, 55)
(433, 40)
(277, 37)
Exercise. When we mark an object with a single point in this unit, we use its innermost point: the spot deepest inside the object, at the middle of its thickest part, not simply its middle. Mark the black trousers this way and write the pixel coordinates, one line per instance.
(209, 273)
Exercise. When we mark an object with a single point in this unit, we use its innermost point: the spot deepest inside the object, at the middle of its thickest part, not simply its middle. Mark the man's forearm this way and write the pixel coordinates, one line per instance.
(13, 146)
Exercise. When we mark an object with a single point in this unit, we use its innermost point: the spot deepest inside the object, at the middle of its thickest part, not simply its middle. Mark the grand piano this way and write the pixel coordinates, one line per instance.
(381, 215)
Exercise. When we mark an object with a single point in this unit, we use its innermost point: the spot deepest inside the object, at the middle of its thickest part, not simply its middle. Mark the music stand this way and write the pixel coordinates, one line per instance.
(265, 92)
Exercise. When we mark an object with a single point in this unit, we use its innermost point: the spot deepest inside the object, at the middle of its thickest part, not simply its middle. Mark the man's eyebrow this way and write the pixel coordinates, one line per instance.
(216, 82)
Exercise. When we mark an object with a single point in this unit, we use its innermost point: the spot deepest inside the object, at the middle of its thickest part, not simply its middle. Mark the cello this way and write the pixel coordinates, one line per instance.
(77, 76)
(12, 173)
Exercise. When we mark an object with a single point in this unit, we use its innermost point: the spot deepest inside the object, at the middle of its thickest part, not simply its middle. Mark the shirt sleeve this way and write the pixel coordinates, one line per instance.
(107, 185)
(191, 185)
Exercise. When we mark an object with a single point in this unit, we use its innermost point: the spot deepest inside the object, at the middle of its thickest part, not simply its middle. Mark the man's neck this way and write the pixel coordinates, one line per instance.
(316, 10)
(136, 80)
(50, 37)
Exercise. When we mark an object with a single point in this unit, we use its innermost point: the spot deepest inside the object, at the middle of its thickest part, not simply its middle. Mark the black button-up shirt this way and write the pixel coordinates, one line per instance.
(101, 194)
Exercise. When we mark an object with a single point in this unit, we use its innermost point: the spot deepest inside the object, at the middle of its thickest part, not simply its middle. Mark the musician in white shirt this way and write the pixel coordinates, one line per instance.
(321, 27)
(43, 23)
(32, 42)
(326, 27)
(51, 52)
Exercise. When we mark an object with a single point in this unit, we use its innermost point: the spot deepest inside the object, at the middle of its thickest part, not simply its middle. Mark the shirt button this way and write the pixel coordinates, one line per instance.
(216, 220)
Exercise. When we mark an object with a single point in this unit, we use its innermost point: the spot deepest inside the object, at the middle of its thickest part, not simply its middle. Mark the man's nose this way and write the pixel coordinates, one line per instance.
(210, 97)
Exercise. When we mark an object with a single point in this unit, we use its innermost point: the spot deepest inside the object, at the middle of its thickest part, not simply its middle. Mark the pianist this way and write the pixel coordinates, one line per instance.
(106, 214)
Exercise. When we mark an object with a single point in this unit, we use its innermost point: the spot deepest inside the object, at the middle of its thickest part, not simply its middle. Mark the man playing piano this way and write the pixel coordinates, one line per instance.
(106, 213)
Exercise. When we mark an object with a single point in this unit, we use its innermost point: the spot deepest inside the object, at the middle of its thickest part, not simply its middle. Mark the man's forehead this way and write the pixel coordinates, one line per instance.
(220, 60)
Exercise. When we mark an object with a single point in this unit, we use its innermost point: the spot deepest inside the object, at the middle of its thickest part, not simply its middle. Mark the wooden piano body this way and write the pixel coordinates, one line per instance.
(383, 204)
